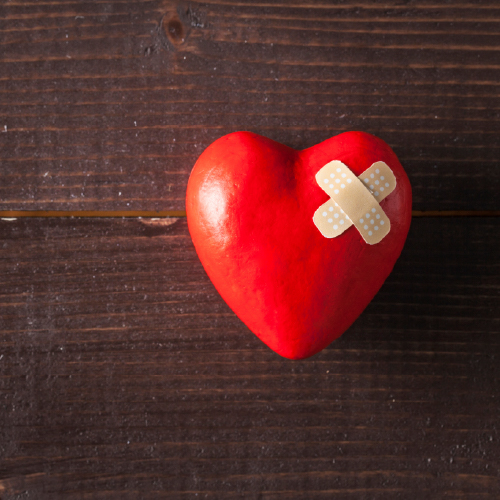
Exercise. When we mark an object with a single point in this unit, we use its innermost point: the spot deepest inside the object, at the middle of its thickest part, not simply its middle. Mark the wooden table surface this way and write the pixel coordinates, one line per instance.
(123, 374)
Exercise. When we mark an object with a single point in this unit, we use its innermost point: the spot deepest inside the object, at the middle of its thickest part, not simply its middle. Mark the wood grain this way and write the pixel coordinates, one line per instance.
(106, 105)
(124, 375)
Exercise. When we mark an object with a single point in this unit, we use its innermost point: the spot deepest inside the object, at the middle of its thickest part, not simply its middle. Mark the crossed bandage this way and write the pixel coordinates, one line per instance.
(354, 200)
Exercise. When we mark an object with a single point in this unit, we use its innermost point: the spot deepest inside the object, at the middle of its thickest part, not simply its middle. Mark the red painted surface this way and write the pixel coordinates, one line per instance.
(250, 204)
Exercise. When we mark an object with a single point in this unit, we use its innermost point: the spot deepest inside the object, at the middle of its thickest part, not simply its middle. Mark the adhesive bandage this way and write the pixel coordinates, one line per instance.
(354, 200)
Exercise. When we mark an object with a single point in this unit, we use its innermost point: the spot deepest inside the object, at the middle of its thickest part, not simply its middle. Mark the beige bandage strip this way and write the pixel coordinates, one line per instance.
(354, 200)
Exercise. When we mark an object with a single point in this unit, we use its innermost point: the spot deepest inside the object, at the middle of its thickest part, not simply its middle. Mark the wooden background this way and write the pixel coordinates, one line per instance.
(122, 372)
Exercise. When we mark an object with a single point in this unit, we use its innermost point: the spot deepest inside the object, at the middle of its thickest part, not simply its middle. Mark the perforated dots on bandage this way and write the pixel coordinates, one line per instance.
(354, 200)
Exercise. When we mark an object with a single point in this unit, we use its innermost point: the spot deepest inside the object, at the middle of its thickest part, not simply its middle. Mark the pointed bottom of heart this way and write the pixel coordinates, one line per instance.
(298, 329)
(250, 205)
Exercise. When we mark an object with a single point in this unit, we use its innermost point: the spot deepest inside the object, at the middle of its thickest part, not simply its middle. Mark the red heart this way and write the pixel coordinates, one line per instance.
(250, 205)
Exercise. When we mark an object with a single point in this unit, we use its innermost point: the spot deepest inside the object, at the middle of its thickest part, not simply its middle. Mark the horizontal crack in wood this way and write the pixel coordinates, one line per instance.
(13, 214)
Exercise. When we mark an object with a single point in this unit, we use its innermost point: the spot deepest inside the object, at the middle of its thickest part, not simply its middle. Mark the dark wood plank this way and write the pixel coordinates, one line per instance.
(124, 375)
(106, 105)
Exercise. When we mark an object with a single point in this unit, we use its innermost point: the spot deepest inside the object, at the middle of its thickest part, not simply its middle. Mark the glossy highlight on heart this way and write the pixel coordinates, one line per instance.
(250, 204)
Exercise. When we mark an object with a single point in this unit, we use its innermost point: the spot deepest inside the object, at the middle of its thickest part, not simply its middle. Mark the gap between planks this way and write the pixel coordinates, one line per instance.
(16, 214)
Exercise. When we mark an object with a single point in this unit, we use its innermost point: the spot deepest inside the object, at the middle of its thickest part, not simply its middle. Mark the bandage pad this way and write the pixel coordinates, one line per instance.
(354, 200)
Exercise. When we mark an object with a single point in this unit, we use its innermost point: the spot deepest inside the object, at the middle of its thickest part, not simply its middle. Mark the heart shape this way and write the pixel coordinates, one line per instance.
(250, 204)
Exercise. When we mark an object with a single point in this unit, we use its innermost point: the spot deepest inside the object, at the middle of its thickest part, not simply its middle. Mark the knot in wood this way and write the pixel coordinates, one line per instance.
(174, 29)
